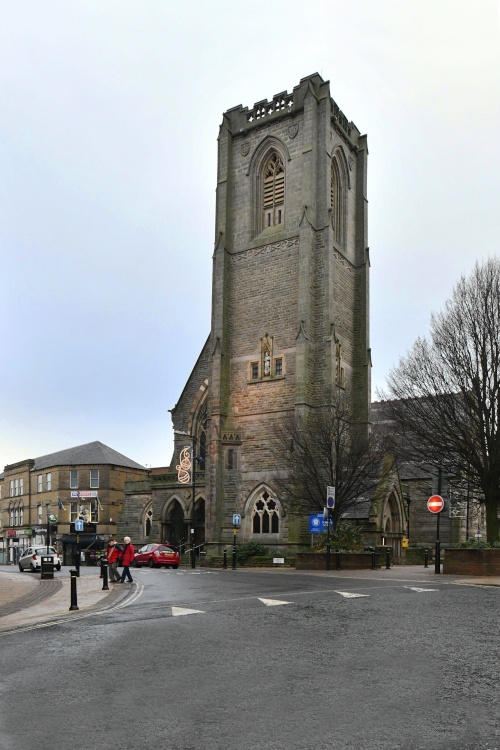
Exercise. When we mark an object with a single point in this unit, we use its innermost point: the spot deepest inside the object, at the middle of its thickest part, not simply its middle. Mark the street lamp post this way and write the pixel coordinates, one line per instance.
(193, 485)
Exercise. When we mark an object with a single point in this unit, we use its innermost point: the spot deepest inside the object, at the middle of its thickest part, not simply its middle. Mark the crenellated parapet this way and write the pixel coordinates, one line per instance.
(241, 119)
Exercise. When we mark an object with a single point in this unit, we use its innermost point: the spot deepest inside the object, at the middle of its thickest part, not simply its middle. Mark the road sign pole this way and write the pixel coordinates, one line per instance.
(437, 561)
(328, 543)
(234, 549)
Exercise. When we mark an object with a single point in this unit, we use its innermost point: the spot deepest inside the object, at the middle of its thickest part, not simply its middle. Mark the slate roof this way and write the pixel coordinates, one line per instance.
(90, 453)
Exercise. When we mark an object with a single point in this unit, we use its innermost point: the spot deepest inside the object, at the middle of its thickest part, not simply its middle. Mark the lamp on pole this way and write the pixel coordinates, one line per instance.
(188, 464)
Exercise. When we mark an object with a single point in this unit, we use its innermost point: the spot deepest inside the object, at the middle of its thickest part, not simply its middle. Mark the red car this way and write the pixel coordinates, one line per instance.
(156, 555)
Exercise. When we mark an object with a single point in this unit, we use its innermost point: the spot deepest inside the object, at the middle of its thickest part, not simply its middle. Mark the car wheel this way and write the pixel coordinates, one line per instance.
(175, 567)
(21, 568)
(151, 563)
(32, 568)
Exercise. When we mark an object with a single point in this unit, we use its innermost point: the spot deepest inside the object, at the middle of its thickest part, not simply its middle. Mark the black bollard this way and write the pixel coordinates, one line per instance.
(426, 558)
(104, 575)
(388, 558)
(337, 559)
(74, 575)
(374, 561)
(224, 559)
(234, 557)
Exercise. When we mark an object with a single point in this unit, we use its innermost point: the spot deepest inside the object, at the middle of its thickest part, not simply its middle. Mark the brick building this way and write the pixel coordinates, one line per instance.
(86, 482)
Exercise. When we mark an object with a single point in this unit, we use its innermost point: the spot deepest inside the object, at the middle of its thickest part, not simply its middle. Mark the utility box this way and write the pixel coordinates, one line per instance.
(47, 566)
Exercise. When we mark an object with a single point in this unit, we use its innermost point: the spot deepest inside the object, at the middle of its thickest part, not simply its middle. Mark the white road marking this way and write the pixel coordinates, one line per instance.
(350, 595)
(180, 611)
(272, 602)
(414, 588)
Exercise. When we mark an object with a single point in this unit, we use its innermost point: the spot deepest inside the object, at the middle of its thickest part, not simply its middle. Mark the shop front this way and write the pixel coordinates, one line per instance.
(87, 545)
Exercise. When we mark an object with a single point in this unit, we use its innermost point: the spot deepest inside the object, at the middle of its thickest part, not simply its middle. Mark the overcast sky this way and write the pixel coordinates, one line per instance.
(109, 117)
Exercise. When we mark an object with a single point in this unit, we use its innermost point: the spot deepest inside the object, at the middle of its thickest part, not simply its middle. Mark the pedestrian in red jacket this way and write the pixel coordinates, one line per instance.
(113, 554)
(127, 555)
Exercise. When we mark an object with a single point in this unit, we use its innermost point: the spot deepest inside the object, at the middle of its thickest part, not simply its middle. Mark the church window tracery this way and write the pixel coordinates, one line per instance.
(265, 515)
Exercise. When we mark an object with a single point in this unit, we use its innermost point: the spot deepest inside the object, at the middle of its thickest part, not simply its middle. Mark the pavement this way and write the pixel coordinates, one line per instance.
(26, 601)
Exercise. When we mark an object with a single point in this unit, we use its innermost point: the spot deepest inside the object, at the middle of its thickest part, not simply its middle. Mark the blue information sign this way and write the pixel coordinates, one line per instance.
(316, 523)
(236, 519)
(79, 524)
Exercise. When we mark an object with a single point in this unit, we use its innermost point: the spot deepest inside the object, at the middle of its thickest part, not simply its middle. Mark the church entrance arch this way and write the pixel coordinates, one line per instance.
(393, 525)
(199, 522)
(173, 528)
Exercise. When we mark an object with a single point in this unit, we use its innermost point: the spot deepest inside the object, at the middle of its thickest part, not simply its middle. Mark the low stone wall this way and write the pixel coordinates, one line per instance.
(348, 560)
(472, 562)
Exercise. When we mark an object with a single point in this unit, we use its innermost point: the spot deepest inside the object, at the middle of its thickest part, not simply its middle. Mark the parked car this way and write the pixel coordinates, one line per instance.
(31, 559)
(156, 555)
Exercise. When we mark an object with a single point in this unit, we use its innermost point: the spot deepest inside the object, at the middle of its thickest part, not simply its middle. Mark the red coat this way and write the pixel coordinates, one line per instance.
(128, 553)
(113, 553)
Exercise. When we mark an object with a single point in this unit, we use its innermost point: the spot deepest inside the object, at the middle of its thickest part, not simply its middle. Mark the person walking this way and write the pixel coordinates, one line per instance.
(113, 554)
(127, 555)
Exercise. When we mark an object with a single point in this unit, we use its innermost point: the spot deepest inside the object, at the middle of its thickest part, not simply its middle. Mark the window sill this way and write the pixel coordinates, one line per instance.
(270, 379)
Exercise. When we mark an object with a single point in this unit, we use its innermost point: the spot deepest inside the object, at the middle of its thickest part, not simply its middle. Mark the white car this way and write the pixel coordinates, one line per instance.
(31, 559)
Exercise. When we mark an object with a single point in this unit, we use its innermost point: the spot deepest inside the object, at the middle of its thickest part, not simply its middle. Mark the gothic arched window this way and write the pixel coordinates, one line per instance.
(265, 515)
(148, 521)
(273, 193)
(338, 200)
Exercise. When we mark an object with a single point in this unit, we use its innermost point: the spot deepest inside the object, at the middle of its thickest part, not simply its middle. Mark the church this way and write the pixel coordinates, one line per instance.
(289, 326)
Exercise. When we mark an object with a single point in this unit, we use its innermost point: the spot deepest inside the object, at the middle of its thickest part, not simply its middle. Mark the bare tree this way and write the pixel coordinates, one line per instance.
(445, 394)
(328, 448)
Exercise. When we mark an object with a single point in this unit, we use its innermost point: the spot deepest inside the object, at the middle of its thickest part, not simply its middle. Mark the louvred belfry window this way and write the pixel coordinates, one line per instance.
(274, 191)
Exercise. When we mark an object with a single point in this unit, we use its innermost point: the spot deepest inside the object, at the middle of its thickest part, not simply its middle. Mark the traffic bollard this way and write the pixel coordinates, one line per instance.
(104, 575)
(374, 561)
(234, 557)
(337, 559)
(426, 558)
(388, 558)
(74, 603)
(224, 560)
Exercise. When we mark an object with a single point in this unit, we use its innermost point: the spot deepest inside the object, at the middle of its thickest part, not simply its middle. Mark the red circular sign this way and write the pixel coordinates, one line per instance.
(435, 504)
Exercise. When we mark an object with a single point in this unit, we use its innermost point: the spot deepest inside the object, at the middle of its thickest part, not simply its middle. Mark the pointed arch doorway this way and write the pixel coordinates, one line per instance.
(393, 525)
(173, 528)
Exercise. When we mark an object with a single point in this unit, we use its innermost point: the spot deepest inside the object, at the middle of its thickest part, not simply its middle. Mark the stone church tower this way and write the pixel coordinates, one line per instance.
(289, 312)
(289, 300)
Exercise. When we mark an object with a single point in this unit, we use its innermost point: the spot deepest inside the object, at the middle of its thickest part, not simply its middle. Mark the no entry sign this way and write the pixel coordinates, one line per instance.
(435, 504)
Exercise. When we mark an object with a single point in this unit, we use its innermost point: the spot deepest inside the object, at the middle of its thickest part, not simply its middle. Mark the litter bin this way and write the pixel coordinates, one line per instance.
(47, 565)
